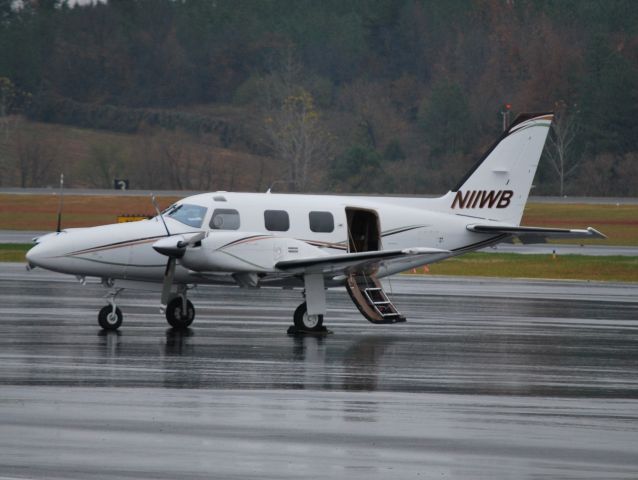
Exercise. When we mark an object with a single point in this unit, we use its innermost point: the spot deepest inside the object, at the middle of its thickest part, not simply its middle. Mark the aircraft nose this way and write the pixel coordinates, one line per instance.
(44, 254)
(35, 256)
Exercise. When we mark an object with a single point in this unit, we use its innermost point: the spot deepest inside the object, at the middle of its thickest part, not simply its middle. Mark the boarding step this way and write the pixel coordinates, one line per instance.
(377, 297)
(371, 300)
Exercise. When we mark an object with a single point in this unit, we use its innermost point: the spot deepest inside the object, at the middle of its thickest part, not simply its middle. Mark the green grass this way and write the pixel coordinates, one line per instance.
(618, 222)
(512, 265)
(13, 252)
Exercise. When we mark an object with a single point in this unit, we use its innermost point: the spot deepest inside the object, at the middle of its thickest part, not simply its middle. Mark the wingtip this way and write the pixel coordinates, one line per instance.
(596, 233)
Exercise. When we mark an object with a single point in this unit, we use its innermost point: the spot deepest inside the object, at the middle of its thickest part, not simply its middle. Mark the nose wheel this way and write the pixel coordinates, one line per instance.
(110, 317)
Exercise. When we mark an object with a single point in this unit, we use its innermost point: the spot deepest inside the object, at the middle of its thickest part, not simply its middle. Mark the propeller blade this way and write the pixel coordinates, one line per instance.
(159, 214)
(169, 273)
(198, 237)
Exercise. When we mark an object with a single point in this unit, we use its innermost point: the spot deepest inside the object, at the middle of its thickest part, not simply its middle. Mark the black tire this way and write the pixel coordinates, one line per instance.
(174, 315)
(303, 321)
(109, 320)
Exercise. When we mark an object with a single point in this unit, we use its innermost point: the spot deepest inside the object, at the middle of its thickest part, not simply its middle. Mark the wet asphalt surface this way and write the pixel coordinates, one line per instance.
(488, 379)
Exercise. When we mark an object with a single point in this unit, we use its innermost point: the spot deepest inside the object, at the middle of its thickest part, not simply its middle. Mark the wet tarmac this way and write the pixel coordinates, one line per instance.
(488, 379)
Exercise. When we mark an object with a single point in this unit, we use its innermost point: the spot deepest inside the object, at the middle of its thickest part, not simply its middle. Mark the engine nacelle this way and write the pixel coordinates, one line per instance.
(225, 251)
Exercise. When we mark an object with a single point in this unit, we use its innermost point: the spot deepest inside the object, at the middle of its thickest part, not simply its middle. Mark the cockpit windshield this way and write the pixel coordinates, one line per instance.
(191, 215)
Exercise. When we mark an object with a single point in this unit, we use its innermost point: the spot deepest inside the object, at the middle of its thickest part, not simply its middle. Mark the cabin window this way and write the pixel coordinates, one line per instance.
(276, 220)
(225, 219)
(321, 222)
(191, 215)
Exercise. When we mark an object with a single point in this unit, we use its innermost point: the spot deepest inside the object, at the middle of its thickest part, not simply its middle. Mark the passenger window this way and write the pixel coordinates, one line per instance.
(321, 222)
(276, 220)
(225, 219)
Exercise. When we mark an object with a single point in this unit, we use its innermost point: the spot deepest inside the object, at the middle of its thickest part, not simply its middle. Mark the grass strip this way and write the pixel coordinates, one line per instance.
(13, 252)
(39, 212)
(514, 265)
(618, 222)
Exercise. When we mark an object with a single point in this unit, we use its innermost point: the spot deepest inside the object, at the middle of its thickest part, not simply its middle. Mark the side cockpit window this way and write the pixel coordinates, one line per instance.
(225, 219)
(191, 215)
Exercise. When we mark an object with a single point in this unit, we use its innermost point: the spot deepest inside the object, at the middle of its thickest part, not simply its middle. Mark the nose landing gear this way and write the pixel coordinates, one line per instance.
(110, 317)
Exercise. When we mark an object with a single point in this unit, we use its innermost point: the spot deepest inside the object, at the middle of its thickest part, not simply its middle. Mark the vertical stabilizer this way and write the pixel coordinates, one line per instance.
(498, 185)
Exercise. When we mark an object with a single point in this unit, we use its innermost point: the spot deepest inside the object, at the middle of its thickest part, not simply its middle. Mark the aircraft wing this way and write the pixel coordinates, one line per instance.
(396, 260)
(536, 234)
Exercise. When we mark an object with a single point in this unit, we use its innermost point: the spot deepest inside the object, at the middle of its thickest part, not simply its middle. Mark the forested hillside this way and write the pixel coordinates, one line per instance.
(396, 96)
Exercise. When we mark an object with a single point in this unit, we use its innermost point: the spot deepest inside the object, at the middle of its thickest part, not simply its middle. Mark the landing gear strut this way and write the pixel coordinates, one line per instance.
(110, 317)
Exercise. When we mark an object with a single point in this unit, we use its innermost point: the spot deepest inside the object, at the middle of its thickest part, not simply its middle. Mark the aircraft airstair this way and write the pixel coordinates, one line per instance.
(371, 300)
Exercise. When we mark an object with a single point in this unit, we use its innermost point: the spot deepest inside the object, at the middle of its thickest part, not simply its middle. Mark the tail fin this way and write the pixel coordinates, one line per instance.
(498, 185)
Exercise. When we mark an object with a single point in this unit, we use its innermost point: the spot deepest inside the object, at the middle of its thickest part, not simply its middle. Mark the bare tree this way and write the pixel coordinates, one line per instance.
(176, 162)
(104, 164)
(35, 160)
(561, 145)
(298, 138)
(7, 123)
(206, 172)
(293, 128)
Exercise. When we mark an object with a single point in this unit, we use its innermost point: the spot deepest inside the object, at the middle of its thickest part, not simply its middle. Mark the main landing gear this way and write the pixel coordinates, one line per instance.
(179, 311)
(308, 317)
(303, 321)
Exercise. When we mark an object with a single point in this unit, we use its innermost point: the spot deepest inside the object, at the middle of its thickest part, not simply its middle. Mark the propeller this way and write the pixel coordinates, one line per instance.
(166, 247)
(174, 247)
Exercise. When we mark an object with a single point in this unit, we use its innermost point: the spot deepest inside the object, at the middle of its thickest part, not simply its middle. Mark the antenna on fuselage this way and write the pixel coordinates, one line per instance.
(159, 214)
(61, 204)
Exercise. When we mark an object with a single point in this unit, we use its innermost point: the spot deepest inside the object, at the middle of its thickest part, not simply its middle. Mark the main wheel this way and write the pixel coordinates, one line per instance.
(175, 315)
(109, 319)
(303, 321)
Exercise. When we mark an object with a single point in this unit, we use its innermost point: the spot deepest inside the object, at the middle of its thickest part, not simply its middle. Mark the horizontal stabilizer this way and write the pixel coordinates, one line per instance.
(536, 234)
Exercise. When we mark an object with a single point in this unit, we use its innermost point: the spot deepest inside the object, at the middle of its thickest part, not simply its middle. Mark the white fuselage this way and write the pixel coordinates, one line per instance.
(125, 251)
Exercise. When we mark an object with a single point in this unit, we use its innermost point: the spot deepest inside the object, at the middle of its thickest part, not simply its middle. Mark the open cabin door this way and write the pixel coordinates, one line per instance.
(364, 235)
(363, 230)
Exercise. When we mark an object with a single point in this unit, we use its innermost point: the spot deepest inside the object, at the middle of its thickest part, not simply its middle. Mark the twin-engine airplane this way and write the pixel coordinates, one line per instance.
(308, 241)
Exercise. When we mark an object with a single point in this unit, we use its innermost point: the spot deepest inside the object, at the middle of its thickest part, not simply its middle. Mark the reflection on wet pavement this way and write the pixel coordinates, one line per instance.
(510, 380)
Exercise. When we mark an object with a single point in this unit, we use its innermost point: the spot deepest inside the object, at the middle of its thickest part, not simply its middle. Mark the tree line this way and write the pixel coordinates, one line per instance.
(348, 95)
